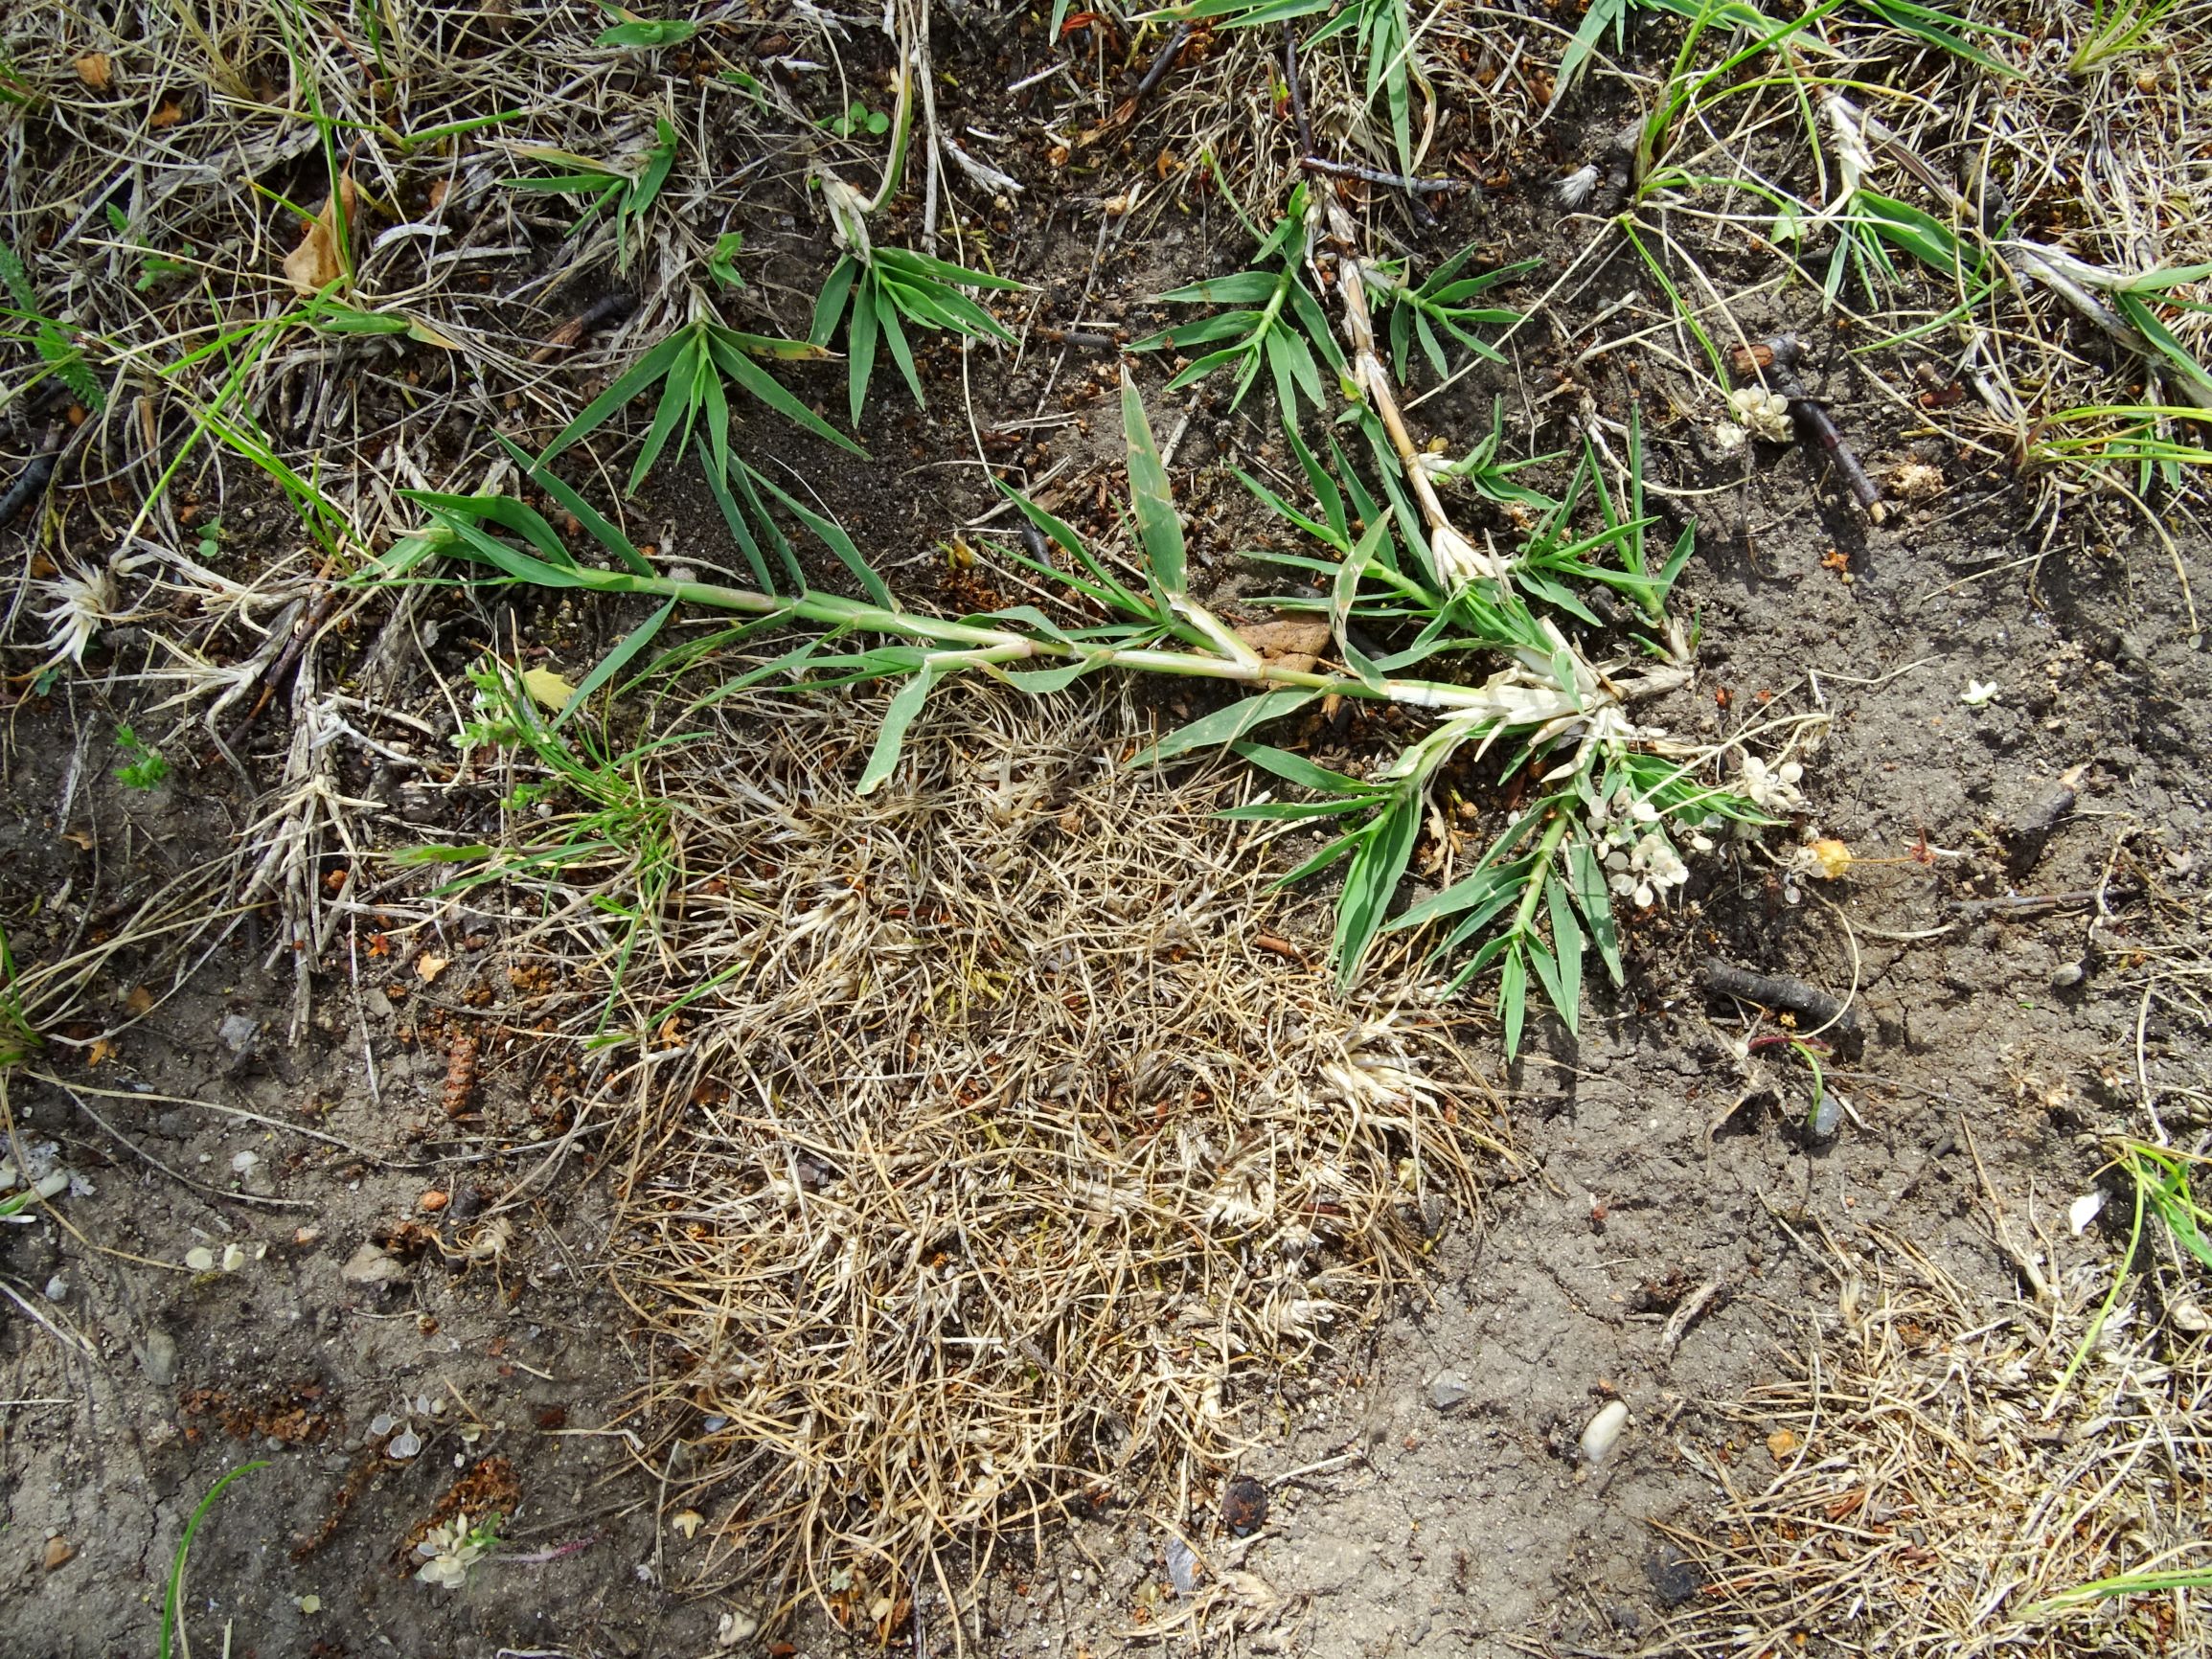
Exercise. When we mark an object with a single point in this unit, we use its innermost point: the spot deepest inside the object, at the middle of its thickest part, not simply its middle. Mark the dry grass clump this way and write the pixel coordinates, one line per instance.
(992, 1147)
(1932, 1500)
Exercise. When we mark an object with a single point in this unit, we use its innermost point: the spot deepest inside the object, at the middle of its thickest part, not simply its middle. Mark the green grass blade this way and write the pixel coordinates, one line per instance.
(830, 534)
(602, 529)
(1158, 525)
(1586, 884)
(895, 335)
(612, 664)
(1374, 877)
(1512, 997)
(830, 304)
(1297, 769)
(171, 1612)
(735, 361)
(861, 345)
(647, 369)
(883, 758)
(1225, 725)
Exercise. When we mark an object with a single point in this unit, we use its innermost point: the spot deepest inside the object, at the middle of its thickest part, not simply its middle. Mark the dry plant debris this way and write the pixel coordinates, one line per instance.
(1930, 1484)
(1001, 1165)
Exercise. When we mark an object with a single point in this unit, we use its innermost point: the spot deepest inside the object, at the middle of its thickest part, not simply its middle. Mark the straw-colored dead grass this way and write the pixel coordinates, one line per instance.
(994, 1148)
(1927, 1502)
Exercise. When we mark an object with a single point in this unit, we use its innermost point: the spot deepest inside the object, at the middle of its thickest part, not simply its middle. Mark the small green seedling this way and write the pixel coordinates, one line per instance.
(1441, 304)
(695, 368)
(62, 355)
(154, 266)
(19, 1038)
(449, 1549)
(643, 34)
(722, 261)
(880, 287)
(858, 119)
(2115, 27)
(143, 767)
(629, 192)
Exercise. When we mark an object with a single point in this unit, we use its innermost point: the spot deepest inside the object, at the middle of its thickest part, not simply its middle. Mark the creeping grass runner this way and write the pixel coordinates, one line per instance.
(1610, 800)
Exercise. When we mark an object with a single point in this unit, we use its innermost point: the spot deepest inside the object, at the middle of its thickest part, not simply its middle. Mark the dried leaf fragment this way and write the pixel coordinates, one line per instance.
(316, 262)
(1827, 859)
(429, 965)
(547, 688)
(96, 70)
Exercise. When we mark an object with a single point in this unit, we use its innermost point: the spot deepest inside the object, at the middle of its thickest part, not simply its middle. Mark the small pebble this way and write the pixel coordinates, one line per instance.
(1448, 1390)
(370, 1265)
(59, 1553)
(238, 1033)
(241, 1162)
(57, 1289)
(432, 1200)
(1604, 1431)
(2066, 974)
(1244, 1505)
(158, 1358)
(736, 1628)
(1182, 1567)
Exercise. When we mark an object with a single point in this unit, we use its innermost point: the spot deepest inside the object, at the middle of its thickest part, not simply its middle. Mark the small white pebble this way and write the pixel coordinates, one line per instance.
(1604, 1431)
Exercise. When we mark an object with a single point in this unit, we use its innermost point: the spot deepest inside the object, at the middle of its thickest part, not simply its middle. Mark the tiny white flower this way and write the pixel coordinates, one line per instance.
(1764, 414)
(1775, 789)
(1728, 437)
(449, 1550)
(1979, 694)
